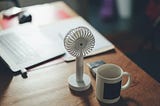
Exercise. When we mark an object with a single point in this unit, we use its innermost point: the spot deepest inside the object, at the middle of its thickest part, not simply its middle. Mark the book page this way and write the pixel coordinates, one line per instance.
(63, 27)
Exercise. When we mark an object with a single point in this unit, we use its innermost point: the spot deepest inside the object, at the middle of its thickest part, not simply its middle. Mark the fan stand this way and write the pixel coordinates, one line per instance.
(79, 81)
(79, 42)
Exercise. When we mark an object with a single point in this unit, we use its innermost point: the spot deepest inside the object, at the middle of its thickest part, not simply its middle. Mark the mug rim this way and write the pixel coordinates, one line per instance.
(107, 64)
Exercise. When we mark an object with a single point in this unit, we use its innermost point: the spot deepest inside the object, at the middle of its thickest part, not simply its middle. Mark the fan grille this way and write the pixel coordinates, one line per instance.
(79, 41)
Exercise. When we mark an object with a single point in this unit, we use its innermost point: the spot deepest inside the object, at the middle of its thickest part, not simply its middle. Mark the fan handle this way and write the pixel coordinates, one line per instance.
(79, 68)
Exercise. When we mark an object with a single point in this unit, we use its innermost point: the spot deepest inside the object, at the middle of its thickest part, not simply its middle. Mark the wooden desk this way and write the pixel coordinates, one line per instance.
(47, 85)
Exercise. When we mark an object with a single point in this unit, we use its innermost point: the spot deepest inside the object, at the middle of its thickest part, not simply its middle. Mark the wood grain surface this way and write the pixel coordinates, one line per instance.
(48, 86)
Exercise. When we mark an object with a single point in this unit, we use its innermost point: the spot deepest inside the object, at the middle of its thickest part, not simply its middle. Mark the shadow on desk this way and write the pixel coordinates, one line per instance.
(84, 95)
(6, 76)
(123, 102)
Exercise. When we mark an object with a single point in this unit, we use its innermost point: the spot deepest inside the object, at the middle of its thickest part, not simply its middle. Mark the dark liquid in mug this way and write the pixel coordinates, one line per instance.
(112, 91)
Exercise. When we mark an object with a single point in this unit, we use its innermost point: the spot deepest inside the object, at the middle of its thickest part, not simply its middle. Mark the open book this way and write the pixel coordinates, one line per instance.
(62, 27)
(27, 45)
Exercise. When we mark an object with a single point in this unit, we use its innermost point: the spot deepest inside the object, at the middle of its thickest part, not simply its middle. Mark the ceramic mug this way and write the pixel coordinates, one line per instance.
(108, 83)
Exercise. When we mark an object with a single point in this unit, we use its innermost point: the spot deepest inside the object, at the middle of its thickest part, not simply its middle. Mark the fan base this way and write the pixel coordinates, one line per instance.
(79, 86)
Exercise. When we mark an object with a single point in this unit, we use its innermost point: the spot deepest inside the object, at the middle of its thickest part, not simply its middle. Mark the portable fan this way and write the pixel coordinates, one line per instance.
(79, 42)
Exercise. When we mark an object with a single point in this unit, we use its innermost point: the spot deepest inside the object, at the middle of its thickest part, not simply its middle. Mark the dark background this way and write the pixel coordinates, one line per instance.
(134, 36)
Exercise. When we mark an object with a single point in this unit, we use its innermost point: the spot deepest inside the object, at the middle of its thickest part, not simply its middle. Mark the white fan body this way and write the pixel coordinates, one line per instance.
(79, 42)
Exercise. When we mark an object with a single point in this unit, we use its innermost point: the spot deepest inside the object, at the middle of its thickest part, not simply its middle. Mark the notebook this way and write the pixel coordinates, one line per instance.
(26, 45)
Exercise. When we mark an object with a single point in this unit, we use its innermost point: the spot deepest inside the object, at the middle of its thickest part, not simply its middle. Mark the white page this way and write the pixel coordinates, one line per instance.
(23, 46)
(63, 27)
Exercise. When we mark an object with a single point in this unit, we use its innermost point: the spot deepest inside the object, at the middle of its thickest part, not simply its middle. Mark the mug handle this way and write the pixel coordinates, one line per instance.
(123, 87)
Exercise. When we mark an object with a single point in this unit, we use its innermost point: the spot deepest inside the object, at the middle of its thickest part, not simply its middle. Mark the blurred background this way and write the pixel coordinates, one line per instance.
(132, 25)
